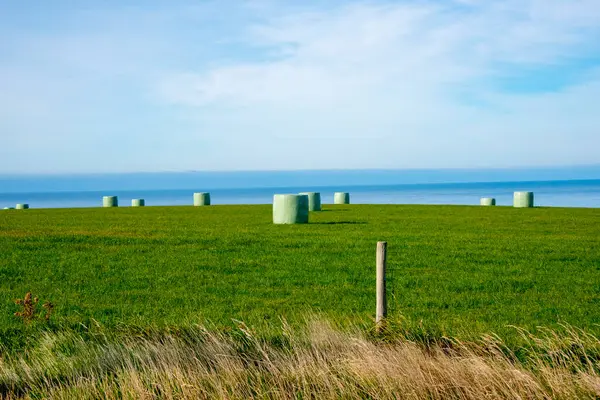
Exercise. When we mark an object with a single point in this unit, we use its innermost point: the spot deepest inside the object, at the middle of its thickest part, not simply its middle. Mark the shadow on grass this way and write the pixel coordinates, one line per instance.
(339, 223)
(336, 210)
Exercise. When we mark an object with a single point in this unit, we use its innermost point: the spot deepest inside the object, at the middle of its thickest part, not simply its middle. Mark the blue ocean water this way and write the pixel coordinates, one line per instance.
(365, 187)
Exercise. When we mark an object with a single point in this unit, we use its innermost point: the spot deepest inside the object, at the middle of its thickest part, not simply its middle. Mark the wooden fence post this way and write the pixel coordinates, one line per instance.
(381, 259)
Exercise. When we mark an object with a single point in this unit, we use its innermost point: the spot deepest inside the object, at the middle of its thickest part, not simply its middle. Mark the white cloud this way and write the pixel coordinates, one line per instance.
(360, 47)
(266, 86)
(382, 83)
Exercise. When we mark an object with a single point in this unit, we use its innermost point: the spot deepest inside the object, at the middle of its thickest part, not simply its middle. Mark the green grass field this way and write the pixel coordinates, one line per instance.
(457, 270)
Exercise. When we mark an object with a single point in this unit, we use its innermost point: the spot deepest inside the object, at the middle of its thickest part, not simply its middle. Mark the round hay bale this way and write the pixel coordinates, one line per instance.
(22, 206)
(201, 199)
(523, 199)
(290, 209)
(138, 202)
(341, 198)
(110, 201)
(487, 201)
(314, 201)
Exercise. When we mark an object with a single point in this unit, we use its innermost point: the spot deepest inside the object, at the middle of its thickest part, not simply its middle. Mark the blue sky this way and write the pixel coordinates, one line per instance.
(123, 86)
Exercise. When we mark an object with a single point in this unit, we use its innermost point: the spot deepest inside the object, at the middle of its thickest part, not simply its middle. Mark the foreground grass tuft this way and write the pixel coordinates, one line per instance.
(317, 360)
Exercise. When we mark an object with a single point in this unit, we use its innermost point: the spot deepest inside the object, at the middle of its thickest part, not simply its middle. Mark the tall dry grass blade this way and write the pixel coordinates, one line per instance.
(316, 361)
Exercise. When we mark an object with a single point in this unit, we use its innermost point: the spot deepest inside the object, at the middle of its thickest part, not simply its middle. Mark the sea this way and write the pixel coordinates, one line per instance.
(553, 187)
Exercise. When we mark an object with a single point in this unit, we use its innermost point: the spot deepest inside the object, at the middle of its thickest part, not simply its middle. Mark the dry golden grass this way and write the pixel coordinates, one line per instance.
(317, 361)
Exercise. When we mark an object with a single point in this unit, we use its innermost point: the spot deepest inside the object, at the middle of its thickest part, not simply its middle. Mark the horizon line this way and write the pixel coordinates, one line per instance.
(507, 168)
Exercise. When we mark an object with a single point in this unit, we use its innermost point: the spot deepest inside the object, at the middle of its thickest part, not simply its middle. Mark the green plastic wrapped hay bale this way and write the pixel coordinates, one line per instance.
(201, 199)
(341, 198)
(487, 201)
(138, 202)
(314, 201)
(290, 209)
(523, 199)
(9, 208)
(110, 201)
(22, 206)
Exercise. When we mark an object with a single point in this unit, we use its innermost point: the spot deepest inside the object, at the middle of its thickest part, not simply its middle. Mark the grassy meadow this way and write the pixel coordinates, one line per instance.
(456, 271)
(217, 302)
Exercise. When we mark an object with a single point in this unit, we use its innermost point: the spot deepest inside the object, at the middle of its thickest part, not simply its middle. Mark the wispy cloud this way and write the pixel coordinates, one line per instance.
(369, 46)
(351, 85)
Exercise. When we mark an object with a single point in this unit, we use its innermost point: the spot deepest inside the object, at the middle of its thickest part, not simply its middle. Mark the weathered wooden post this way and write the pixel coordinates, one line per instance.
(381, 306)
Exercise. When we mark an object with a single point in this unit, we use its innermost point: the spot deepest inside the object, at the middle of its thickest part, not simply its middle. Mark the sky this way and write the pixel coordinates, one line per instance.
(125, 86)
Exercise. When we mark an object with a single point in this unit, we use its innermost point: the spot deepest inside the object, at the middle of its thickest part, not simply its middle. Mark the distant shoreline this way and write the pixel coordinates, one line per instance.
(348, 187)
(552, 193)
(288, 179)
